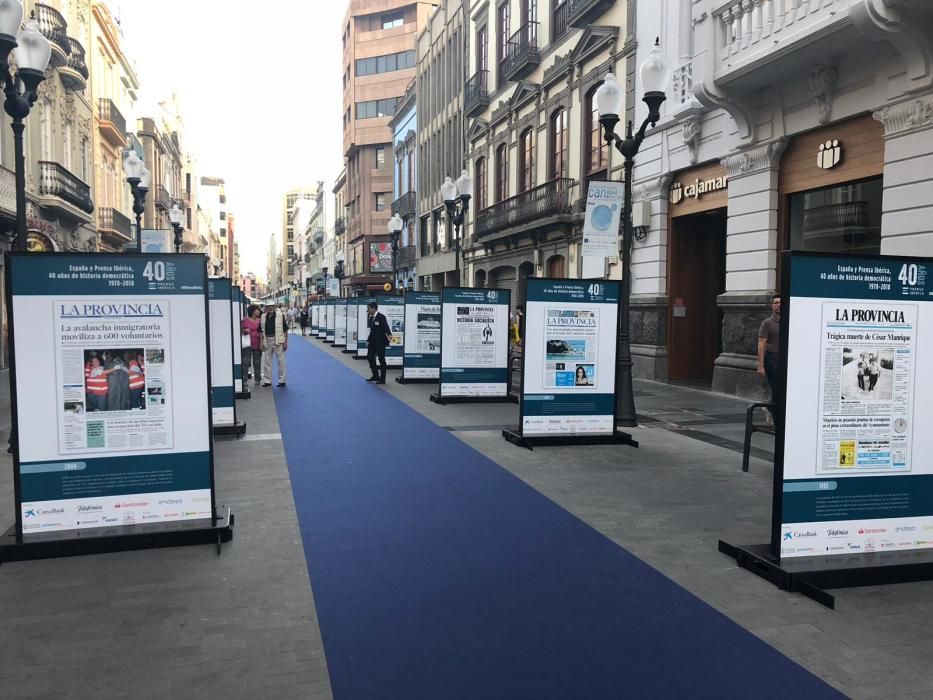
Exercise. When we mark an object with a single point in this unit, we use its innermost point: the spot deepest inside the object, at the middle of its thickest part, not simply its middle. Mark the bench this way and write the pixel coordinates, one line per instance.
(752, 427)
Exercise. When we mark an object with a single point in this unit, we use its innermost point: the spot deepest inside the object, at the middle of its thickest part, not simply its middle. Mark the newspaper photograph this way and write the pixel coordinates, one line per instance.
(475, 336)
(428, 330)
(572, 348)
(113, 375)
(867, 361)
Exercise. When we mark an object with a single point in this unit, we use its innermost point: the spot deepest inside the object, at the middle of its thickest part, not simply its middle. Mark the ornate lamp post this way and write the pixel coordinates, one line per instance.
(610, 102)
(324, 271)
(140, 180)
(338, 272)
(395, 233)
(456, 196)
(177, 216)
(32, 52)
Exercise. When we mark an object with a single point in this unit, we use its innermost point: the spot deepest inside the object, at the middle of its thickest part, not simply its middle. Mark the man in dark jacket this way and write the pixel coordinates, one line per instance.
(379, 338)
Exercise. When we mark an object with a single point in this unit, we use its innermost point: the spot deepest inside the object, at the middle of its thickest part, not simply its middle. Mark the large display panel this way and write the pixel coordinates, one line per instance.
(330, 327)
(235, 317)
(223, 404)
(422, 345)
(322, 319)
(855, 466)
(340, 323)
(355, 306)
(362, 327)
(111, 396)
(474, 342)
(393, 308)
(315, 312)
(569, 357)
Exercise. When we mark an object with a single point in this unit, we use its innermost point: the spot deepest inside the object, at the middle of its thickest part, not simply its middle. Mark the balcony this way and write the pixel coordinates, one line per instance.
(404, 206)
(835, 220)
(476, 94)
(74, 73)
(114, 226)
(163, 200)
(553, 198)
(521, 52)
(111, 123)
(61, 190)
(406, 257)
(779, 35)
(340, 226)
(54, 27)
(582, 13)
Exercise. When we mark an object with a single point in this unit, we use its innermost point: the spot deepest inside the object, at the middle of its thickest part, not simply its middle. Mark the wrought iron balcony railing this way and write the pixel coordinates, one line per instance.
(521, 52)
(107, 112)
(56, 181)
(76, 60)
(835, 219)
(476, 93)
(585, 12)
(54, 27)
(163, 200)
(550, 199)
(114, 220)
(404, 205)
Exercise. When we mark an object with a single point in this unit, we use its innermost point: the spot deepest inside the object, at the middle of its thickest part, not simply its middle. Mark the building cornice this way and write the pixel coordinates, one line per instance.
(905, 117)
(755, 160)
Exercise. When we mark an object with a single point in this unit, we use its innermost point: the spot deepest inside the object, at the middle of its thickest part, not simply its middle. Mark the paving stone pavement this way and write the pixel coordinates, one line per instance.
(670, 501)
(179, 622)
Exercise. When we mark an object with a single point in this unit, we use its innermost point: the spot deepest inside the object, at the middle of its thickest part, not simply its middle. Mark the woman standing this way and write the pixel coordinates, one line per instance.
(253, 354)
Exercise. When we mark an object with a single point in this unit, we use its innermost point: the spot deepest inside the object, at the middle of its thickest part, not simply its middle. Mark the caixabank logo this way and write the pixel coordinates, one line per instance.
(790, 535)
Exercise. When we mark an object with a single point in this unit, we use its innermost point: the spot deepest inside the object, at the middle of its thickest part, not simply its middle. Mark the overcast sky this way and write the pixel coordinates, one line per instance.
(260, 96)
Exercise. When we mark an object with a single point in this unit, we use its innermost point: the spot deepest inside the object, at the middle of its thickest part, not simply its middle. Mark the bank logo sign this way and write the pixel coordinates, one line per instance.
(697, 188)
(830, 155)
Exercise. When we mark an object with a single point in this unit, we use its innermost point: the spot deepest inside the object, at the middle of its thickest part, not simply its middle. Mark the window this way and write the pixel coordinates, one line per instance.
(559, 144)
(223, 216)
(502, 172)
(380, 201)
(482, 49)
(597, 148)
(526, 176)
(504, 18)
(424, 238)
(480, 187)
(187, 183)
(531, 10)
(839, 219)
(385, 64)
(188, 217)
(376, 108)
(559, 19)
(380, 157)
(392, 20)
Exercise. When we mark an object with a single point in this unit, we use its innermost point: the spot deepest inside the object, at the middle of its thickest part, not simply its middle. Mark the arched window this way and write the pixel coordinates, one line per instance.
(480, 186)
(502, 172)
(526, 175)
(597, 150)
(559, 138)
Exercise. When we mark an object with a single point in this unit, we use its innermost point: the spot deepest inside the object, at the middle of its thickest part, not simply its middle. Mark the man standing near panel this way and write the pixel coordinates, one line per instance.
(769, 349)
(379, 338)
(274, 340)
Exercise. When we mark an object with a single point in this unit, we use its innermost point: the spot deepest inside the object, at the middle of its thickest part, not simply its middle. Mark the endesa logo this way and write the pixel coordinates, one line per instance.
(170, 502)
(905, 528)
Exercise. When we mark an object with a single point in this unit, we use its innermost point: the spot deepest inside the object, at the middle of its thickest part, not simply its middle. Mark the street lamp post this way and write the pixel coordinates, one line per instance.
(610, 98)
(338, 273)
(324, 270)
(395, 233)
(32, 52)
(176, 216)
(456, 196)
(140, 180)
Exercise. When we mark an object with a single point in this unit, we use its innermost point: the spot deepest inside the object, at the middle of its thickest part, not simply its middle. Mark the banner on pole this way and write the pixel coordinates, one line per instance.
(604, 203)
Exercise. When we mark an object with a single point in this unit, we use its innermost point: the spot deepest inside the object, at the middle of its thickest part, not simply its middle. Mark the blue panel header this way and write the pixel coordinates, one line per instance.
(462, 295)
(218, 289)
(568, 291)
(423, 298)
(94, 274)
(882, 278)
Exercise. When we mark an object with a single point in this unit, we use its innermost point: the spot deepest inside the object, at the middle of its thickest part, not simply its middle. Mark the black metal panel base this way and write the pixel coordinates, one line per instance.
(348, 352)
(244, 394)
(216, 530)
(810, 576)
(402, 380)
(237, 429)
(617, 438)
(357, 357)
(443, 400)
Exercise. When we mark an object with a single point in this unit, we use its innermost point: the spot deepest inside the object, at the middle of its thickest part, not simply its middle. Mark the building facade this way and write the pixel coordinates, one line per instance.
(289, 258)
(404, 127)
(212, 199)
(114, 91)
(797, 125)
(442, 78)
(534, 139)
(378, 64)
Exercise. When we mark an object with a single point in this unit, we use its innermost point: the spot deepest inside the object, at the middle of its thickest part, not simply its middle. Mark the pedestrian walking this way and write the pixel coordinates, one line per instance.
(379, 338)
(292, 316)
(303, 319)
(252, 355)
(769, 357)
(274, 328)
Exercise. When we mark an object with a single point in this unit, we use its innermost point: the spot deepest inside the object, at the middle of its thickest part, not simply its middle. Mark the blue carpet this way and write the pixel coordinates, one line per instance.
(437, 574)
